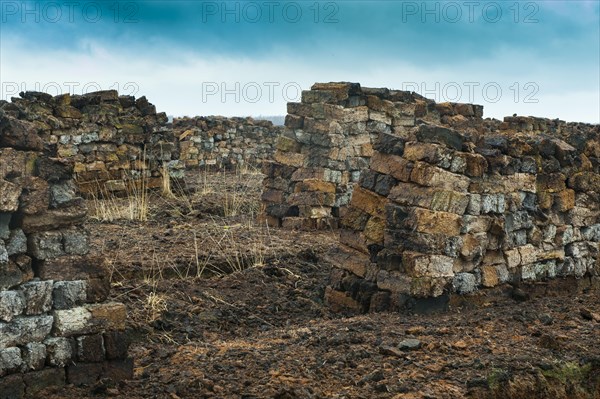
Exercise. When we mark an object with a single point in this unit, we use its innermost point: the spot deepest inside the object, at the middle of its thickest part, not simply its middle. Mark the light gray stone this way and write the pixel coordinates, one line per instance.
(33, 328)
(15, 272)
(409, 344)
(464, 283)
(38, 296)
(474, 207)
(574, 266)
(46, 245)
(577, 250)
(72, 321)
(34, 356)
(17, 243)
(591, 233)
(9, 335)
(69, 294)
(4, 225)
(503, 274)
(517, 221)
(22, 330)
(538, 271)
(59, 351)
(75, 242)
(10, 360)
(62, 193)
(493, 203)
(12, 303)
(3, 253)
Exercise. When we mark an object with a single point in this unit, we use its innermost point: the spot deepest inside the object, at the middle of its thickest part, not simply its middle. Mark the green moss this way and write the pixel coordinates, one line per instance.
(497, 378)
(568, 372)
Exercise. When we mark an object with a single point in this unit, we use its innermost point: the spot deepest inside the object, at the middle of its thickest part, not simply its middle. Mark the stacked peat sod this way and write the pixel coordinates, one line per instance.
(486, 203)
(116, 142)
(56, 325)
(224, 142)
(328, 142)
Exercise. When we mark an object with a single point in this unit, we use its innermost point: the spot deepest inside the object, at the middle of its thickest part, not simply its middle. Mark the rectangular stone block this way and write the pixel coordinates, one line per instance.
(9, 196)
(489, 276)
(493, 203)
(46, 245)
(368, 202)
(551, 182)
(393, 281)
(393, 165)
(59, 351)
(585, 181)
(314, 198)
(290, 158)
(17, 163)
(520, 182)
(15, 272)
(24, 329)
(408, 240)
(354, 239)
(294, 121)
(75, 241)
(374, 229)
(10, 361)
(308, 173)
(422, 265)
(476, 224)
(314, 185)
(473, 247)
(426, 221)
(429, 197)
(55, 219)
(380, 117)
(346, 258)
(69, 294)
(564, 200)
(342, 90)
(34, 356)
(35, 197)
(12, 303)
(16, 243)
(346, 115)
(272, 196)
(5, 218)
(438, 134)
(38, 296)
(428, 152)
(116, 344)
(90, 348)
(476, 164)
(89, 319)
(340, 301)
(318, 96)
(432, 176)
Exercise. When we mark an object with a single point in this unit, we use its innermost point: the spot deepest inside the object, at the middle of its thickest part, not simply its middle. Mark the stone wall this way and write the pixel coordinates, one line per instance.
(454, 204)
(113, 140)
(328, 142)
(224, 142)
(56, 325)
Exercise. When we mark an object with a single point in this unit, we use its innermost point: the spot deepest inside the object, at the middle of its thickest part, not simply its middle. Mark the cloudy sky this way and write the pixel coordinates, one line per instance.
(251, 57)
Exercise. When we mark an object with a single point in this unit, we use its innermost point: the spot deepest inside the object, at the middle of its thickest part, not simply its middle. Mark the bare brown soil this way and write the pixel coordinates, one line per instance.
(222, 307)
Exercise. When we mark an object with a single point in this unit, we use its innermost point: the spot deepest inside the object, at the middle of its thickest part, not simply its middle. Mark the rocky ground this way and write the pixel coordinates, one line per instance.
(222, 307)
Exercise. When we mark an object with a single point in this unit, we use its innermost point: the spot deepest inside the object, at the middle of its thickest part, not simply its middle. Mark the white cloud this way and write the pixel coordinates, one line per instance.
(181, 83)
